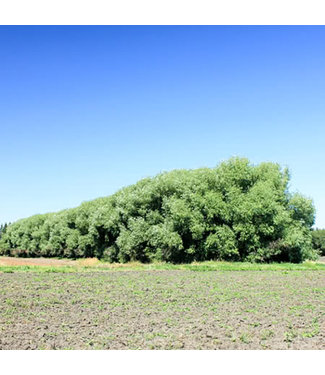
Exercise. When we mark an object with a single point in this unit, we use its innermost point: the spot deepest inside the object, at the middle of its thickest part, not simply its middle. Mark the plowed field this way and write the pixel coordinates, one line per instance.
(170, 309)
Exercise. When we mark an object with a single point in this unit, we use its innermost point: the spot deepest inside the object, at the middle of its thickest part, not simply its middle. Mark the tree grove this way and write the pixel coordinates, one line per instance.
(236, 211)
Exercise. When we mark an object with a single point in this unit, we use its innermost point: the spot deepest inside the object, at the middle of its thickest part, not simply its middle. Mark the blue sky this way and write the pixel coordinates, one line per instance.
(86, 110)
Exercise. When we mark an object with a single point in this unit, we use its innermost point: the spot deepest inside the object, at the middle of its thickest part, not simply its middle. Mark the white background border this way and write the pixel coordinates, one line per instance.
(153, 12)
(162, 362)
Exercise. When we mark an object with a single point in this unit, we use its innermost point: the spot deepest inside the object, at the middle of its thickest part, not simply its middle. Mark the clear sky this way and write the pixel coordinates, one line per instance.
(85, 111)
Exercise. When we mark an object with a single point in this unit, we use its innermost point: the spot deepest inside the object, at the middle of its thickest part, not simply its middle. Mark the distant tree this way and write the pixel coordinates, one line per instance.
(318, 237)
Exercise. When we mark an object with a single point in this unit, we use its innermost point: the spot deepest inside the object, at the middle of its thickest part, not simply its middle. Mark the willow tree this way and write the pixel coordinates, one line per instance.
(236, 211)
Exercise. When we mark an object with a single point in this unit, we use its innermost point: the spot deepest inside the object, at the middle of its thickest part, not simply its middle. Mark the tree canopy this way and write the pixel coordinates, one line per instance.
(318, 236)
(3, 228)
(235, 211)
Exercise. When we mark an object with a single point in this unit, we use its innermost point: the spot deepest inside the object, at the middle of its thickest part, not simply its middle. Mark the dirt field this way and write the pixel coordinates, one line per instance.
(163, 310)
(47, 262)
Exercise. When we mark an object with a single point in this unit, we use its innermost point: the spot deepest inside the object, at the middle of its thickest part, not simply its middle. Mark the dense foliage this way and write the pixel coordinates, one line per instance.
(318, 237)
(3, 228)
(236, 211)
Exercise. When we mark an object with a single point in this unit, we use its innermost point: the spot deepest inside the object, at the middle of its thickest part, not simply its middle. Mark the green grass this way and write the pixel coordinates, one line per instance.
(198, 266)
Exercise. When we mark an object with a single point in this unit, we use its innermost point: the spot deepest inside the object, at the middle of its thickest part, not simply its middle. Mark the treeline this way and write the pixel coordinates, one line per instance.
(236, 211)
(318, 238)
(3, 228)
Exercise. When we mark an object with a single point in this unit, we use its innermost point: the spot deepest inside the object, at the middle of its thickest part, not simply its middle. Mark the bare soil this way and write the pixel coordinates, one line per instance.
(11, 261)
(174, 309)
